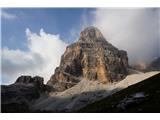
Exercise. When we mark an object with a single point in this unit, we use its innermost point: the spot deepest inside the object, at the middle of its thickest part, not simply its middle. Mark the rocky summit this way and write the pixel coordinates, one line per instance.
(92, 57)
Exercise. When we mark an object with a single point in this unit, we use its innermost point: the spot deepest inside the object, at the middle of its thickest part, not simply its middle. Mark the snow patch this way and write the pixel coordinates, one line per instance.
(139, 95)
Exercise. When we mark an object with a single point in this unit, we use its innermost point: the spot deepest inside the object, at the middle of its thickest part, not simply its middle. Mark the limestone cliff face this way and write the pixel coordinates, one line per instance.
(90, 58)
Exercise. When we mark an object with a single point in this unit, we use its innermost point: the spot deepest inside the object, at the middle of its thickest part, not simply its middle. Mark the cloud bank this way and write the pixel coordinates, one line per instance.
(41, 58)
(134, 30)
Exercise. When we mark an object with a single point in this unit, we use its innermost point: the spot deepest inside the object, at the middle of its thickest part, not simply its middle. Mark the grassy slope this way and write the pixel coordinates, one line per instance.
(151, 103)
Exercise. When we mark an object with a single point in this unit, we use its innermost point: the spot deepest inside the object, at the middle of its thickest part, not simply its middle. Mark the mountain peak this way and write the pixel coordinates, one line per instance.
(91, 58)
(91, 34)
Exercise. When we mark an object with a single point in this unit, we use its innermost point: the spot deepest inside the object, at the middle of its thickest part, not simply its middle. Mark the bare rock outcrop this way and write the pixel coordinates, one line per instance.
(28, 80)
(90, 58)
(18, 96)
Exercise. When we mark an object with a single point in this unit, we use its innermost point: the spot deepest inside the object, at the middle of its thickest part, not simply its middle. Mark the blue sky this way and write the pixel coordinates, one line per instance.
(19, 48)
(33, 39)
(57, 21)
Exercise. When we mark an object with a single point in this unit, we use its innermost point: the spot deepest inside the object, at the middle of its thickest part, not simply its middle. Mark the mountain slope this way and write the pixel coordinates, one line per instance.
(84, 93)
(141, 97)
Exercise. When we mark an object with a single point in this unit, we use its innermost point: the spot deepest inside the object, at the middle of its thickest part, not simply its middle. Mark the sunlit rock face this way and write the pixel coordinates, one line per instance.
(90, 58)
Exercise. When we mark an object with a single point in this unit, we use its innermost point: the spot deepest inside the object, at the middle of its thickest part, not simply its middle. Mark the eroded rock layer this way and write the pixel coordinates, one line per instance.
(90, 58)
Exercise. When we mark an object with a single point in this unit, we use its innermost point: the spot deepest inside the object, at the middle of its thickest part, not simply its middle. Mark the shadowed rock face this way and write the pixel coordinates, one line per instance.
(36, 81)
(90, 58)
(18, 96)
(155, 64)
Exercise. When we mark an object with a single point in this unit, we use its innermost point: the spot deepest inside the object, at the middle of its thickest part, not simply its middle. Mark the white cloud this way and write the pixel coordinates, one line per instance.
(84, 22)
(42, 57)
(7, 15)
(134, 30)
